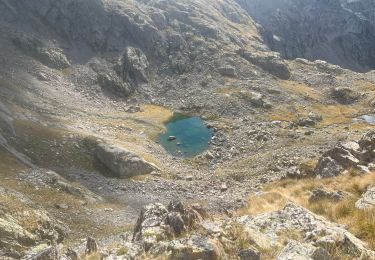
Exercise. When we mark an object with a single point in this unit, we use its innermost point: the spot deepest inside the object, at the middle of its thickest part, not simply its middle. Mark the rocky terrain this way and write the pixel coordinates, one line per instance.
(340, 32)
(86, 87)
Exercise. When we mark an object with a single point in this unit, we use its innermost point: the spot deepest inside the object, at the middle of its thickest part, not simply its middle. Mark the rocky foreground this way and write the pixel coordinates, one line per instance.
(180, 232)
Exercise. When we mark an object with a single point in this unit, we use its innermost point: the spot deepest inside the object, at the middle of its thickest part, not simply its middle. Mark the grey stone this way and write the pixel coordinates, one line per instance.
(328, 167)
(50, 56)
(302, 251)
(134, 66)
(121, 162)
(227, 71)
(113, 82)
(322, 194)
(195, 247)
(367, 200)
(270, 62)
(345, 95)
(249, 254)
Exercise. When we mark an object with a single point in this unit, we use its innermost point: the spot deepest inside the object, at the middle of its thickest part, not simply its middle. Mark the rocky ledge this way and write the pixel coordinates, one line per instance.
(187, 232)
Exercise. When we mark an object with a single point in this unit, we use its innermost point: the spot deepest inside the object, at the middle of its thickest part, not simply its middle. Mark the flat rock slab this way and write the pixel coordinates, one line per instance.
(121, 162)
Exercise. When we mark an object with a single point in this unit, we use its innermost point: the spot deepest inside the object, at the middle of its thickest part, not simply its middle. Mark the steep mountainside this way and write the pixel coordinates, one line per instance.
(340, 32)
(86, 87)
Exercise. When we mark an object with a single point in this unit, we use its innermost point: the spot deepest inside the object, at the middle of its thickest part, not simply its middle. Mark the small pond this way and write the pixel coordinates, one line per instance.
(186, 136)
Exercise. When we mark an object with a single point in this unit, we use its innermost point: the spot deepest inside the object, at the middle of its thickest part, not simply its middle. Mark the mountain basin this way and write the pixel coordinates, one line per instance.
(186, 136)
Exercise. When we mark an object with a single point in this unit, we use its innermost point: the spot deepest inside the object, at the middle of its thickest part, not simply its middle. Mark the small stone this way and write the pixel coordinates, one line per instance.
(171, 138)
(223, 187)
(209, 156)
(61, 206)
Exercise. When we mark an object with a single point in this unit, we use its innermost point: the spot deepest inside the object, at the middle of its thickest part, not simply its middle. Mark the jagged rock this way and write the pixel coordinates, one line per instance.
(156, 222)
(51, 57)
(303, 251)
(367, 147)
(270, 62)
(15, 236)
(322, 194)
(227, 71)
(327, 67)
(328, 167)
(134, 65)
(306, 122)
(91, 246)
(367, 199)
(50, 253)
(343, 156)
(345, 95)
(249, 254)
(175, 220)
(348, 155)
(114, 83)
(293, 28)
(298, 219)
(71, 254)
(121, 162)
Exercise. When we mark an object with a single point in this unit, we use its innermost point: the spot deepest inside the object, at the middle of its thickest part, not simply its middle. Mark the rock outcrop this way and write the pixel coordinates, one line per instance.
(296, 250)
(318, 30)
(322, 194)
(121, 162)
(311, 227)
(50, 56)
(367, 200)
(133, 66)
(351, 155)
(270, 62)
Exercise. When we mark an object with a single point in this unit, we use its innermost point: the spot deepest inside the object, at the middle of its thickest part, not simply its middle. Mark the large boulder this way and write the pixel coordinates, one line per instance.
(268, 61)
(121, 162)
(112, 82)
(367, 147)
(345, 95)
(50, 56)
(227, 71)
(343, 155)
(367, 200)
(157, 222)
(294, 218)
(328, 167)
(349, 155)
(133, 66)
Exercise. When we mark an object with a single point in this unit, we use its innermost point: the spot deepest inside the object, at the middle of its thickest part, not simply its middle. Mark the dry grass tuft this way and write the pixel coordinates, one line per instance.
(360, 222)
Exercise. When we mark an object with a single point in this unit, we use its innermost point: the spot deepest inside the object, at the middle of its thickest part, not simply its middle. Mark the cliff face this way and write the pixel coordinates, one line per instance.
(341, 33)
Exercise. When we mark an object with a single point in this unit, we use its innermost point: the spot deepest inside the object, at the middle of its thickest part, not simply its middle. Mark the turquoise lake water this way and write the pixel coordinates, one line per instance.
(191, 133)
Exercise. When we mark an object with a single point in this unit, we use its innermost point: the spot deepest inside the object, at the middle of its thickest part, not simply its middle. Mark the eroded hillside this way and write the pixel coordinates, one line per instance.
(85, 89)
